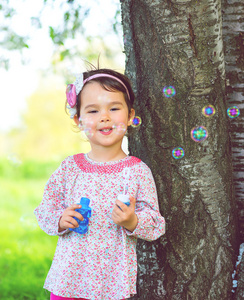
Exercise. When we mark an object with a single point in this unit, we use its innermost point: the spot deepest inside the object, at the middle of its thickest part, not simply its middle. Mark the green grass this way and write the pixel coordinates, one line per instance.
(26, 251)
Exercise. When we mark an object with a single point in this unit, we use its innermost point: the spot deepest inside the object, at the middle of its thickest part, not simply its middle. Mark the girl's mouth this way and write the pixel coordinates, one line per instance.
(106, 131)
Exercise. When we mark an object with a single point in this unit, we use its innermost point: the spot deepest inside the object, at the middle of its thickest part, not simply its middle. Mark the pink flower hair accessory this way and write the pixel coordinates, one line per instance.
(72, 91)
(71, 95)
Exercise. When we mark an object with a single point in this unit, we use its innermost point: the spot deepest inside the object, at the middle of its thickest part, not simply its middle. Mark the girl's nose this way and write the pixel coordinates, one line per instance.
(105, 117)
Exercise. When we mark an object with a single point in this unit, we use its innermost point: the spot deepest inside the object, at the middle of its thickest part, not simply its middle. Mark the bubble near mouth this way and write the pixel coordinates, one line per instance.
(88, 132)
(120, 128)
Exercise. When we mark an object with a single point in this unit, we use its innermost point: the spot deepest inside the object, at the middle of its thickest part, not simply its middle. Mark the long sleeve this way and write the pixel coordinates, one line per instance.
(151, 225)
(52, 206)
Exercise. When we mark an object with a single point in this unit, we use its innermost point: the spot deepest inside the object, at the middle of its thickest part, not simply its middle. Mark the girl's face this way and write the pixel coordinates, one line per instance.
(104, 115)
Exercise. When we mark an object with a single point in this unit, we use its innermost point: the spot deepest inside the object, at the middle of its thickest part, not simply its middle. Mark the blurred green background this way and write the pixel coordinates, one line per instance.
(26, 251)
(29, 155)
(36, 135)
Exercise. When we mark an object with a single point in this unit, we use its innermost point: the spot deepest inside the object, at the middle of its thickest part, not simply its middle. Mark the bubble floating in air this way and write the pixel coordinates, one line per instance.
(14, 160)
(120, 128)
(178, 153)
(88, 132)
(208, 110)
(136, 122)
(169, 91)
(28, 221)
(199, 133)
(233, 112)
(87, 125)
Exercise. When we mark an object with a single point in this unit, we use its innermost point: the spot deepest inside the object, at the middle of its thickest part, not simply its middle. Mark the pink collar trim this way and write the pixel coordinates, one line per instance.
(107, 167)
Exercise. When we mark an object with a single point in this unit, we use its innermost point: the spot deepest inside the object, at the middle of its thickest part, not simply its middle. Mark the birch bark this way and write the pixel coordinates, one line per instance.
(233, 35)
(180, 43)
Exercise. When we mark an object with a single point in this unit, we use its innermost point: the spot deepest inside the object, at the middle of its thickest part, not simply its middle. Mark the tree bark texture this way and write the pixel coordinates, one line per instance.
(179, 43)
(239, 295)
(233, 35)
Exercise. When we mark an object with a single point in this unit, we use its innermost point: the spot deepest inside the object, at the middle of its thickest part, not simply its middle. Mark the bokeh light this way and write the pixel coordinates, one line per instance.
(233, 112)
(199, 133)
(178, 153)
(136, 122)
(208, 111)
(169, 91)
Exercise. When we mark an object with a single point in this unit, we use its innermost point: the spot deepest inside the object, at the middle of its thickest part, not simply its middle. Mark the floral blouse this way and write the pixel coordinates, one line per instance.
(102, 263)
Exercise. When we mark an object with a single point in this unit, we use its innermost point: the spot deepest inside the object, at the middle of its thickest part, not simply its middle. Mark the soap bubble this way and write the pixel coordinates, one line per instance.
(14, 159)
(136, 122)
(233, 112)
(178, 152)
(87, 125)
(208, 110)
(120, 128)
(88, 132)
(199, 133)
(28, 221)
(169, 91)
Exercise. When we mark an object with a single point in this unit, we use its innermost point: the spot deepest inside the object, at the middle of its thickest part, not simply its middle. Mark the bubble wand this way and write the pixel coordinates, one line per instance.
(125, 197)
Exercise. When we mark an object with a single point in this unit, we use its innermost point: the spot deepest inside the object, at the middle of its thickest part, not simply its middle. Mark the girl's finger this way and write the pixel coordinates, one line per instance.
(75, 206)
(78, 216)
(123, 207)
(117, 209)
(69, 225)
(72, 221)
(114, 213)
(132, 202)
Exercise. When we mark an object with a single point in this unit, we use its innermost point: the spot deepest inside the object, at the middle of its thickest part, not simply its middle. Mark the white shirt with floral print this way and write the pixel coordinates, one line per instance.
(102, 263)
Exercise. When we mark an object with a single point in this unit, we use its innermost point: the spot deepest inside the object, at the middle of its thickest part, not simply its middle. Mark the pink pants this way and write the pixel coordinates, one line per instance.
(54, 297)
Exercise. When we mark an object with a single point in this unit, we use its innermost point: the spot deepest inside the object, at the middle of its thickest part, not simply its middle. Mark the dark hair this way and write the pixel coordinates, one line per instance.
(109, 84)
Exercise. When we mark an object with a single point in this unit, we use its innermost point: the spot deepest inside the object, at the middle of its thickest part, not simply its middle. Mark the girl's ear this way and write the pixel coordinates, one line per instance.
(76, 119)
(131, 116)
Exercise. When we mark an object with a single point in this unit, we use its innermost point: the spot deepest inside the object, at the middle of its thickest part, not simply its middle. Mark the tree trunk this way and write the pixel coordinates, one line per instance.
(179, 43)
(233, 34)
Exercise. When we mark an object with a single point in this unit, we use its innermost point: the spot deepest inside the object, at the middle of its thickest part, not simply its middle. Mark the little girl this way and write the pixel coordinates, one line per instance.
(102, 263)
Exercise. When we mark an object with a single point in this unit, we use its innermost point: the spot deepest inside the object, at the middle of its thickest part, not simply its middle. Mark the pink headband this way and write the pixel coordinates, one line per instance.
(74, 89)
(107, 75)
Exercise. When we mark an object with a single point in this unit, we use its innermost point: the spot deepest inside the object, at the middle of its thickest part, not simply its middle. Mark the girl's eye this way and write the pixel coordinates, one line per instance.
(114, 108)
(92, 111)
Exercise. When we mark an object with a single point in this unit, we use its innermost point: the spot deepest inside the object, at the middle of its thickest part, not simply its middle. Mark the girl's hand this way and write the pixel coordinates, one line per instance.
(67, 220)
(124, 215)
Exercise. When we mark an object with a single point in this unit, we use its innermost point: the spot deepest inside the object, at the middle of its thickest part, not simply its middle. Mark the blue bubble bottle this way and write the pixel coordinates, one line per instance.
(85, 211)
